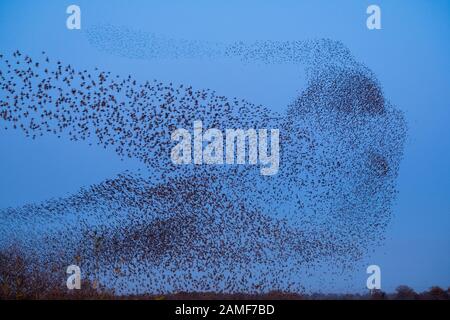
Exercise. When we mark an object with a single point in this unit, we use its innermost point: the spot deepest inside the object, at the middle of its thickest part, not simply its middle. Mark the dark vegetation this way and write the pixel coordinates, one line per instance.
(21, 279)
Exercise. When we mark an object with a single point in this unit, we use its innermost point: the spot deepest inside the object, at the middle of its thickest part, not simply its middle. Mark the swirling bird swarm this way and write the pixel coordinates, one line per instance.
(208, 228)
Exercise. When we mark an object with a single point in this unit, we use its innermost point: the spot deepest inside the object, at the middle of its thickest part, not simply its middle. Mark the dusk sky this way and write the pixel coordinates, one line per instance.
(409, 56)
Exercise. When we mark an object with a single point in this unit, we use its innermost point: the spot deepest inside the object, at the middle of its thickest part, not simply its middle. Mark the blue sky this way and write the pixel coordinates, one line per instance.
(410, 57)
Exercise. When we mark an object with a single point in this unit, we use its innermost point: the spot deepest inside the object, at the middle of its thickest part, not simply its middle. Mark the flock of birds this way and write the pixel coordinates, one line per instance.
(207, 228)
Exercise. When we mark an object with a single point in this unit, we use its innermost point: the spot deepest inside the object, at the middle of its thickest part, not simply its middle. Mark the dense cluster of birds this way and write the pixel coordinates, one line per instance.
(208, 228)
